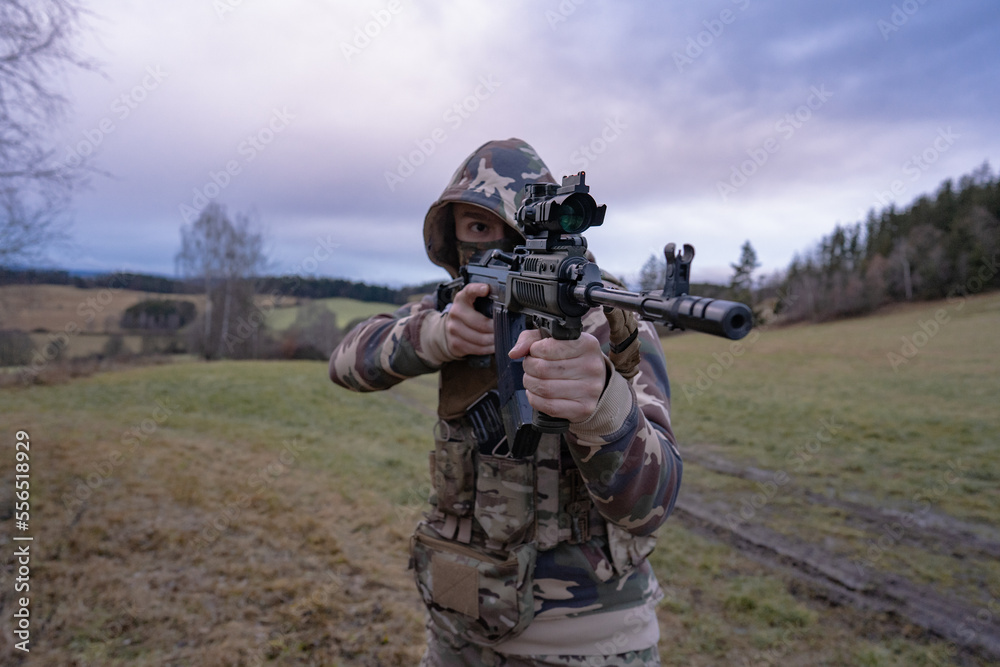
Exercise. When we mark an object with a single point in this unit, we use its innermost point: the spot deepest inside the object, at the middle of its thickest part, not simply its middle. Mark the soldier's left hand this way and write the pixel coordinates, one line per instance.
(564, 378)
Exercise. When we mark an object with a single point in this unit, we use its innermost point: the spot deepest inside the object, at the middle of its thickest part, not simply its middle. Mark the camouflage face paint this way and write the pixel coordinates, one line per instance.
(467, 251)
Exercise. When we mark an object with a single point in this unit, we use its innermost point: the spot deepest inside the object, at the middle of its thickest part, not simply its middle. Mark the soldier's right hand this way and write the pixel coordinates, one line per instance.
(467, 331)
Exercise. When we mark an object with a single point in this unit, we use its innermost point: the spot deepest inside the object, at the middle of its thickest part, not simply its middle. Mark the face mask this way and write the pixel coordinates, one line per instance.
(467, 251)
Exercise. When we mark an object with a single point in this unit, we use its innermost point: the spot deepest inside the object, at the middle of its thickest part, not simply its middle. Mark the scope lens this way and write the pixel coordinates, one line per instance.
(574, 216)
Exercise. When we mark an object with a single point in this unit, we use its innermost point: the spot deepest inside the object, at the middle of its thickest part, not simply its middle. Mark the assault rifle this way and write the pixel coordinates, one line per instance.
(548, 284)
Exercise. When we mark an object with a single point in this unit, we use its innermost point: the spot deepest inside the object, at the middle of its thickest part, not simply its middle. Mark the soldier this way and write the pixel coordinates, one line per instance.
(540, 560)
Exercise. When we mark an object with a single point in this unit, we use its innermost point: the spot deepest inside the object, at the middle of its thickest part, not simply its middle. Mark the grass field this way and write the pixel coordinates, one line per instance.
(54, 307)
(93, 315)
(252, 513)
(346, 310)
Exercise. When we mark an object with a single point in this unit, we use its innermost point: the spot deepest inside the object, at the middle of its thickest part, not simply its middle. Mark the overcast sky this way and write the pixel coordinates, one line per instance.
(337, 124)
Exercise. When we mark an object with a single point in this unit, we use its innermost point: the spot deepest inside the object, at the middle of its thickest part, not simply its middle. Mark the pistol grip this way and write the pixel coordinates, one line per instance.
(546, 424)
(542, 422)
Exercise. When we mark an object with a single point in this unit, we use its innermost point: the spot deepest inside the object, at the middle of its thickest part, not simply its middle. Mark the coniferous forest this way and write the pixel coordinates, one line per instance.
(941, 245)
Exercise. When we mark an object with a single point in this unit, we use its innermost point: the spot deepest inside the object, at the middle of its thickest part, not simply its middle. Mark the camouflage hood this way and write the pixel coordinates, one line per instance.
(493, 177)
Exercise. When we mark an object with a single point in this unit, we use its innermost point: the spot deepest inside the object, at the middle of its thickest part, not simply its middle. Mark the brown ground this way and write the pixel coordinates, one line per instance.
(175, 559)
(136, 575)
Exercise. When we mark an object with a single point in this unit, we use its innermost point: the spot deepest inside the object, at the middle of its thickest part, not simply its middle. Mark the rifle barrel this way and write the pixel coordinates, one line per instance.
(729, 319)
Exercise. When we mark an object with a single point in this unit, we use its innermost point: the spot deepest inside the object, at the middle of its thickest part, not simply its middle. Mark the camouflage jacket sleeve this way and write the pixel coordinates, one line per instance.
(386, 349)
(626, 450)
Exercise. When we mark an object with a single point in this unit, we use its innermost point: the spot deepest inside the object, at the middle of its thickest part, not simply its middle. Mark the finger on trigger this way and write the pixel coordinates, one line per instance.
(524, 343)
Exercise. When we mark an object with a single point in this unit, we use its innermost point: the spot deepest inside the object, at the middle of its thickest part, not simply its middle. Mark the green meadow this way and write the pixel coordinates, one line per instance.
(250, 513)
(346, 310)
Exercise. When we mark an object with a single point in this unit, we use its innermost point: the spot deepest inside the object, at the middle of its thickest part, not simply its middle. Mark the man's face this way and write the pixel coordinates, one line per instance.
(474, 224)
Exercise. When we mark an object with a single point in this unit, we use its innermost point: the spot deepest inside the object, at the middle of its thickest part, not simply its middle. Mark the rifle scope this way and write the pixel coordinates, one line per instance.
(565, 209)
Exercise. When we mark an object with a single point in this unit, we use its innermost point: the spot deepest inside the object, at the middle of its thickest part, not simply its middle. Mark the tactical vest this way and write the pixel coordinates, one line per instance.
(474, 554)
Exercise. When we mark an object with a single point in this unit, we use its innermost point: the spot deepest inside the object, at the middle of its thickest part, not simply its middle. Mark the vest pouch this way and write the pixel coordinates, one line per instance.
(453, 472)
(480, 598)
(505, 499)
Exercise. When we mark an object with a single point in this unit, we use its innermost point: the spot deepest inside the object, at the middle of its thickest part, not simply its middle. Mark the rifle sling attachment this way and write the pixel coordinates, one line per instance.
(622, 346)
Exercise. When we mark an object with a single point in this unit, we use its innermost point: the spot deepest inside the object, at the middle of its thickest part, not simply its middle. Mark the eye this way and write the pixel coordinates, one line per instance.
(475, 225)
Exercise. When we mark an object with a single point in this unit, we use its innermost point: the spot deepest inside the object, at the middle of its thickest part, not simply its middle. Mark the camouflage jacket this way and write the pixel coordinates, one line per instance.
(625, 452)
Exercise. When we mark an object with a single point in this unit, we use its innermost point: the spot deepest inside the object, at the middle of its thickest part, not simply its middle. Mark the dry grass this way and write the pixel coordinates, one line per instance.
(195, 548)
(54, 307)
(210, 543)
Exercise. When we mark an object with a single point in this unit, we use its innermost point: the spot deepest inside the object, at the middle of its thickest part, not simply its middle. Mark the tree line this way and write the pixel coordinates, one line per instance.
(941, 245)
(286, 285)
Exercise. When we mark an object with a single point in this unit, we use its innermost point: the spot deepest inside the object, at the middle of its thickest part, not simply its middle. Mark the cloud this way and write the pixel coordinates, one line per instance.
(659, 103)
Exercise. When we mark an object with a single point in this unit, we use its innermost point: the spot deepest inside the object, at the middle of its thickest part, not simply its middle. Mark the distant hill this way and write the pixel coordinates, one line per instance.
(93, 279)
(293, 286)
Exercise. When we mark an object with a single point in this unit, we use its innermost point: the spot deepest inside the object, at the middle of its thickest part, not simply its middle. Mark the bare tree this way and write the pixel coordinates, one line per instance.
(37, 44)
(242, 260)
(200, 257)
(651, 274)
(225, 255)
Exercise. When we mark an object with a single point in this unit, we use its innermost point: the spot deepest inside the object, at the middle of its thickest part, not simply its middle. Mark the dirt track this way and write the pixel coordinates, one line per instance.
(972, 628)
